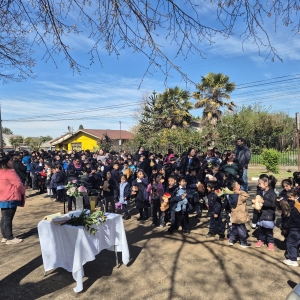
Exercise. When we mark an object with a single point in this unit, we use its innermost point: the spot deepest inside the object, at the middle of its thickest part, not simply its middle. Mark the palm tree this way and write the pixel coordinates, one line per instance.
(173, 107)
(212, 95)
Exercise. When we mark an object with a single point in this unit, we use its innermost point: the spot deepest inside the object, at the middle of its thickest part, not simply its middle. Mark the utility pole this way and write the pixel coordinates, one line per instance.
(297, 139)
(1, 136)
(120, 141)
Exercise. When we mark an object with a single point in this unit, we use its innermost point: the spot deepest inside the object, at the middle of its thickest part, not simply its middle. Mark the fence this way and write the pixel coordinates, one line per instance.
(286, 145)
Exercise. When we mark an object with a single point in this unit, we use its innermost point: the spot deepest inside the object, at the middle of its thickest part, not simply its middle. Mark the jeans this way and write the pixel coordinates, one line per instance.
(198, 209)
(7, 215)
(245, 178)
(216, 223)
(240, 231)
(266, 235)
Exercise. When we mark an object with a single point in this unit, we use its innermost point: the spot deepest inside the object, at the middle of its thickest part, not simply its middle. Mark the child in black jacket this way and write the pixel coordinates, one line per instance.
(266, 216)
(215, 212)
(292, 224)
(109, 188)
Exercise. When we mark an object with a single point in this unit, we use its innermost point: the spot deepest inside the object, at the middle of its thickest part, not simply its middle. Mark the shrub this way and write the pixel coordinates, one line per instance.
(270, 159)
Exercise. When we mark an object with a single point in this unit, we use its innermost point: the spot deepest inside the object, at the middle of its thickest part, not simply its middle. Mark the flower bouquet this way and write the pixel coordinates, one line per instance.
(73, 190)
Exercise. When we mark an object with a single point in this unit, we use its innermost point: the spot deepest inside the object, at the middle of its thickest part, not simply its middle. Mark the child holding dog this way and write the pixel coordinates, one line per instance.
(239, 215)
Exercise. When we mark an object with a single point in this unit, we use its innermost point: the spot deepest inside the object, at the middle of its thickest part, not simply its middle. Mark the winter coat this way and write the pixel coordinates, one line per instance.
(12, 190)
(293, 221)
(267, 212)
(214, 203)
(112, 187)
(27, 160)
(142, 196)
(21, 170)
(184, 163)
(57, 179)
(243, 156)
(239, 213)
(126, 192)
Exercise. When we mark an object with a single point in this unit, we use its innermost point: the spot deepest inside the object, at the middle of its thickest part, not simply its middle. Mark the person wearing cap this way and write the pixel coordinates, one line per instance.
(12, 195)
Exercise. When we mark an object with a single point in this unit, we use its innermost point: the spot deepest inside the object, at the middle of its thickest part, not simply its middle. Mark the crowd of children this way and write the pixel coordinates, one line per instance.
(169, 188)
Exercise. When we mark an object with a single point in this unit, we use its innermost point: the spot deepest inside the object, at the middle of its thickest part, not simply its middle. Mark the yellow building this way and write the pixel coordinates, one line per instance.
(89, 139)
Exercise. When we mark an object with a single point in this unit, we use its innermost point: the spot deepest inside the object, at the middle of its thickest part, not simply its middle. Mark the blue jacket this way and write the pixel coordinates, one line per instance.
(57, 179)
(27, 160)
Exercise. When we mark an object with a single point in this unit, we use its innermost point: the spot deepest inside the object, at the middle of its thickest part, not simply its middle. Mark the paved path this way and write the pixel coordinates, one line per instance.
(162, 267)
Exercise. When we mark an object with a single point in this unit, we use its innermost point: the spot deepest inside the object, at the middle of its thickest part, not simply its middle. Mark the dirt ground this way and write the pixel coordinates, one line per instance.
(162, 267)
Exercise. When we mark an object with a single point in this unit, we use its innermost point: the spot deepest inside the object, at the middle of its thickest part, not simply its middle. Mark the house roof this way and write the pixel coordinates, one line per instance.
(112, 134)
(98, 133)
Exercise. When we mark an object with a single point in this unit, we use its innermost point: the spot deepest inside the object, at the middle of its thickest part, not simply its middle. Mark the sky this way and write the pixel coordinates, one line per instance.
(103, 95)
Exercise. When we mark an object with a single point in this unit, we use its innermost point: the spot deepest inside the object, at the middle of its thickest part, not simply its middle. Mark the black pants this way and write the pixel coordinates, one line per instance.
(7, 215)
(60, 195)
(184, 220)
(70, 201)
(255, 216)
(143, 212)
(292, 244)
(156, 212)
(111, 200)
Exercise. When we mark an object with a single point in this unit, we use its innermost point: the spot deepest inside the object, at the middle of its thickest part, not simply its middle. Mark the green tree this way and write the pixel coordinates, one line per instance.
(16, 140)
(6, 130)
(213, 95)
(169, 109)
(260, 127)
(173, 107)
(35, 142)
(80, 127)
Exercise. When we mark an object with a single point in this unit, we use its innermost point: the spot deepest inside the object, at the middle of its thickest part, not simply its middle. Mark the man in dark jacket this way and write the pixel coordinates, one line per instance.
(243, 157)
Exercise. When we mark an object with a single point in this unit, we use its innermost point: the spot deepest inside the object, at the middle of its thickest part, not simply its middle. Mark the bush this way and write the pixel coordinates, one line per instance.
(270, 159)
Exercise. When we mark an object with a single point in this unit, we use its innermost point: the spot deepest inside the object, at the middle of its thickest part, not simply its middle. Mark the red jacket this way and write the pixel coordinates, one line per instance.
(12, 191)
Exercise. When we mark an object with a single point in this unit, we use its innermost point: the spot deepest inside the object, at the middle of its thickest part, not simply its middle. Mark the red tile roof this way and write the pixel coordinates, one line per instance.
(113, 134)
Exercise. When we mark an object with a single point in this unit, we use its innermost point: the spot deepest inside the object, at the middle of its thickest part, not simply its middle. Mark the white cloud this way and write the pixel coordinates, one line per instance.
(118, 96)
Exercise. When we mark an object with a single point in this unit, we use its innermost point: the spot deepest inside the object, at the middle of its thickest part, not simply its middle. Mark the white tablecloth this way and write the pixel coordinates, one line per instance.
(70, 247)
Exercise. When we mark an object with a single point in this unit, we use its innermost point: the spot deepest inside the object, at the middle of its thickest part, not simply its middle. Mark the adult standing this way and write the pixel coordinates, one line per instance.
(243, 156)
(26, 160)
(20, 168)
(189, 160)
(12, 194)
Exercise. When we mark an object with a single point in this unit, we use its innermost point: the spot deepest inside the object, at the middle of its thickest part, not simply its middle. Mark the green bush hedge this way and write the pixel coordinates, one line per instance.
(270, 159)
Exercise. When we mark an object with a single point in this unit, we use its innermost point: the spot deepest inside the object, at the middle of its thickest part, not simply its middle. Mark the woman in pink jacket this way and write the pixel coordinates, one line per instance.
(12, 194)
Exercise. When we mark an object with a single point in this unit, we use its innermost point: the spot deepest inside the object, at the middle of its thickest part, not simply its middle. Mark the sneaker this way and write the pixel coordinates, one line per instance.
(231, 242)
(210, 234)
(185, 231)
(139, 219)
(170, 231)
(271, 246)
(127, 217)
(153, 224)
(259, 244)
(4, 240)
(247, 245)
(162, 225)
(47, 196)
(253, 225)
(13, 241)
(291, 263)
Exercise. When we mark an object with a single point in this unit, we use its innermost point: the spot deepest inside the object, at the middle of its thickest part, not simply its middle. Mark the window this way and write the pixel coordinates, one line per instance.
(76, 146)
